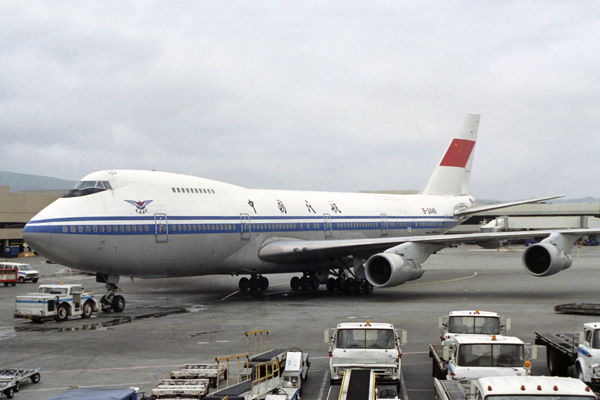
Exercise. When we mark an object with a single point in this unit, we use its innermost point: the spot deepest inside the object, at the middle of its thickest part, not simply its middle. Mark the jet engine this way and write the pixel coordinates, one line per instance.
(545, 259)
(390, 269)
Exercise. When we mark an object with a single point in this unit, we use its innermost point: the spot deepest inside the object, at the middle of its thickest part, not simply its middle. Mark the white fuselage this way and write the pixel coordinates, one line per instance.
(185, 226)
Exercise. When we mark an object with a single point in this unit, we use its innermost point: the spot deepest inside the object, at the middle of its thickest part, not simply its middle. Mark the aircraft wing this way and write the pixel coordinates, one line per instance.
(474, 210)
(289, 251)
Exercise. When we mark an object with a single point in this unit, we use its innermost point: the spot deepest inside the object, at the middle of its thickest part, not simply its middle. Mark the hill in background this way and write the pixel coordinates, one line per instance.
(21, 182)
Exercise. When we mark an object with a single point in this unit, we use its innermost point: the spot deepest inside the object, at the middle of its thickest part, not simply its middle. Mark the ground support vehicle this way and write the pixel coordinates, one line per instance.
(476, 356)
(212, 372)
(578, 308)
(284, 394)
(97, 394)
(25, 271)
(180, 389)
(372, 346)
(295, 372)
(9, 277)
(21, 376)
(7, 387)
(472, 322)
(266, 378)
(58, 302)
(513, 388)
(580, 349)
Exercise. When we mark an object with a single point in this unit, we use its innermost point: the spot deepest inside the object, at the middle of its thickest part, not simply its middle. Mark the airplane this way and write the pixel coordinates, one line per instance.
(151, 224)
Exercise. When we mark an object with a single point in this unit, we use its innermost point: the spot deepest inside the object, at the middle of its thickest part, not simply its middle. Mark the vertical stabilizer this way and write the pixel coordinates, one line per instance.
(451, 176)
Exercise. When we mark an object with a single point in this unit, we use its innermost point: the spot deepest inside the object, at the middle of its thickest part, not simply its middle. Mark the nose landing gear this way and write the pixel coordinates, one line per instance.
(112, 301)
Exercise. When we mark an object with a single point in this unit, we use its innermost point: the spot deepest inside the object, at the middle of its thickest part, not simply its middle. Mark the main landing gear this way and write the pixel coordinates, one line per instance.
(112, 301)
(256, 282)
(343, 283)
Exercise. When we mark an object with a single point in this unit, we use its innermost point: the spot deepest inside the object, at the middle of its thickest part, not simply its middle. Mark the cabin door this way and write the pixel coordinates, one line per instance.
(245, 228)
(384, 225)
(161, 228)
(327, 226)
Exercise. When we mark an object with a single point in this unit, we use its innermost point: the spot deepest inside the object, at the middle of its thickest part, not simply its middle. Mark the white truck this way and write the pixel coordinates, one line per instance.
(365, 345)
(472, 322)
(475, 356)
(58, 302)
(513, 388)
(581, 349)
(24, 271)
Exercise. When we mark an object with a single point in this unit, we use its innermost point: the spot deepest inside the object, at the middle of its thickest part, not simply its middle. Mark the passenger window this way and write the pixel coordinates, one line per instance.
(174, 191)
(80, 229)
(101, 228)
(65, 229)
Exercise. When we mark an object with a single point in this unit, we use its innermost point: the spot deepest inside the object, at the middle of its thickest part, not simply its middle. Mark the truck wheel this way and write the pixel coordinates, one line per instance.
(87, 310)
(9, 393)
(62, 314)
(557, 365)
(35, 378)
(21, 279)
(6, 283)
(118, 303)
(34, 280)
(13, 284)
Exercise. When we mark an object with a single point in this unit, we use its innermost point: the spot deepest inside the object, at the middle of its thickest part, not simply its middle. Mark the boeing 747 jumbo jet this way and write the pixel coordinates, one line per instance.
(153, 224)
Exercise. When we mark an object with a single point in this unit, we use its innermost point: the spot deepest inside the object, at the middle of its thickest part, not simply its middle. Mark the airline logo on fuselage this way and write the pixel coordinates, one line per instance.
(140, 206)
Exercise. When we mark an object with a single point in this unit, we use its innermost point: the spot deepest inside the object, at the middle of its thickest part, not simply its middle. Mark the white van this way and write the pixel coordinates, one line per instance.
(26, 272)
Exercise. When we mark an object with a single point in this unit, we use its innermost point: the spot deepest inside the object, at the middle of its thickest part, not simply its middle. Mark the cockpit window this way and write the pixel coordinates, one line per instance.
(84, 188)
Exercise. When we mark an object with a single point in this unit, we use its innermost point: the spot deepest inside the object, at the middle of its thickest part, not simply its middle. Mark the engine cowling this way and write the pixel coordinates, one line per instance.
(390, 269)
(545, 259)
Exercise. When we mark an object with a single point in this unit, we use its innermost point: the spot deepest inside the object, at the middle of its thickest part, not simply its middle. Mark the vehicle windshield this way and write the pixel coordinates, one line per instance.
(365, 339)
(491, 355)
(26, 268)
(52, 290)
(596, 339)
(539, 397)
(476, 325)
(84, 188)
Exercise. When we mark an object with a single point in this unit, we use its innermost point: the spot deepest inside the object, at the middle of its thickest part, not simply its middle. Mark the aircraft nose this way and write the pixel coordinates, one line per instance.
(37, 234)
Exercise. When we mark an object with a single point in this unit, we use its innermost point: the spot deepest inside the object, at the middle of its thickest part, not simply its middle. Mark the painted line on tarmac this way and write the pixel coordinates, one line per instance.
(111, 369)
(404, 392)
(322, 390)
(88, 387)
(446, 281)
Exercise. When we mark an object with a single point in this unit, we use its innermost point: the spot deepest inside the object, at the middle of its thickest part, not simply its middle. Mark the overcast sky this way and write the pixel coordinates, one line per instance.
(311, 95)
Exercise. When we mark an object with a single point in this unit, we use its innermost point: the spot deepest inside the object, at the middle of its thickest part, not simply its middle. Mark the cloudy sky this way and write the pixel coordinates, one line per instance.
(314, 95)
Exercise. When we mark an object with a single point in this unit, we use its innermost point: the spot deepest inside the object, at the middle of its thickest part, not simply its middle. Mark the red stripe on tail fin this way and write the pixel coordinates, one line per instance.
(458, 153)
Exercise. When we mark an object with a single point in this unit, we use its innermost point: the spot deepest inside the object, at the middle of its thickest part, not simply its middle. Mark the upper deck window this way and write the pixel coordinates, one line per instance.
(84, 188)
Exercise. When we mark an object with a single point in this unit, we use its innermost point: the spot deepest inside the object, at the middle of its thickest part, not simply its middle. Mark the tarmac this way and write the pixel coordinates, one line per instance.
(171, 322)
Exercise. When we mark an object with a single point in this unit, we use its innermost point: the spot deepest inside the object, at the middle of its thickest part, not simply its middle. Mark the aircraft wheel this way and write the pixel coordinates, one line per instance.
(244, 284)
(331, 285)
(314, 282)
(348, 286)
(305, 283)
(295, 283)
(263, 283)
(254, 284)
(339, 282)
(358, 288)
(368, 288)
(118, 303)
